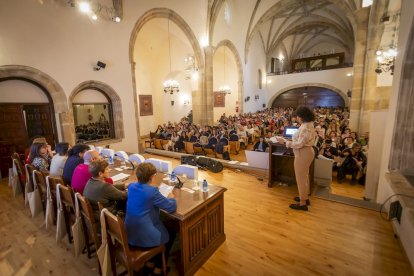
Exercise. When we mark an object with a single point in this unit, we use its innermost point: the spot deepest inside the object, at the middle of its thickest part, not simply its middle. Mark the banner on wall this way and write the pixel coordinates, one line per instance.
(145, 105)
(219, 99)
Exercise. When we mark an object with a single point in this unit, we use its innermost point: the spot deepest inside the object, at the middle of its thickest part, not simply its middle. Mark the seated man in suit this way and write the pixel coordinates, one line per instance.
(261, 145)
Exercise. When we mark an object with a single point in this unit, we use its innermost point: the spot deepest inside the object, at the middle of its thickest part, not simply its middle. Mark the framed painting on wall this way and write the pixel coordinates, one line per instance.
(219, 99)
(145, 105)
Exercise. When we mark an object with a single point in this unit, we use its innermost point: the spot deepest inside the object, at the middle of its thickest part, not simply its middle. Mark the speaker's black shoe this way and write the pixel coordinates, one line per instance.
(296, 206)
(297, 199)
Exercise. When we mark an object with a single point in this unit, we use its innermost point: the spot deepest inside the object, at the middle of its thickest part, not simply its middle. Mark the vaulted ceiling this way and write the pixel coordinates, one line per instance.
(293, 28)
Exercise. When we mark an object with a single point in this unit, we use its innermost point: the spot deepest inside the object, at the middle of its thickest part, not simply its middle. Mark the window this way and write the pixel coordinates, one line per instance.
(92, 113)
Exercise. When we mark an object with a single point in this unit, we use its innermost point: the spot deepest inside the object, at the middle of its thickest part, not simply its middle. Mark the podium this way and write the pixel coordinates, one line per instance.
(281, 168)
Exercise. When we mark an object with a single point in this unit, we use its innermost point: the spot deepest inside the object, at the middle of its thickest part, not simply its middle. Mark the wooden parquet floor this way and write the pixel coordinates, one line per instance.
(264, 237)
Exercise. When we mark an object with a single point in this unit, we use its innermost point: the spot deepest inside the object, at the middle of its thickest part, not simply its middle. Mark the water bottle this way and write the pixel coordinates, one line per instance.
(173, 177)
(205, 187)
(111, 160)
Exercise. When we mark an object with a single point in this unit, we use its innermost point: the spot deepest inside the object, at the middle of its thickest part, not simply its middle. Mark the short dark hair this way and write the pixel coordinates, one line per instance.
(145, 171)
(97, 166)
(62, 148)
(356, 145)
(78, 148)
(305, 113)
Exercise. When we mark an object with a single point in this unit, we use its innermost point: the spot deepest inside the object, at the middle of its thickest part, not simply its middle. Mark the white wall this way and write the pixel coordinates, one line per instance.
(17, 91)
(230, 79)
(335, 78)
(89, 96)
(406, 23)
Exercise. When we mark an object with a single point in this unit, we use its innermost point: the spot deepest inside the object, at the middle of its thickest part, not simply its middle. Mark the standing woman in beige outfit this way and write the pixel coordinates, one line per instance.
(302, 142)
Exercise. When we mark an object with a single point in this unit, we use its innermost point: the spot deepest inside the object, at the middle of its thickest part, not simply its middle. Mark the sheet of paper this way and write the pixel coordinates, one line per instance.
(233, 162)
(119, 169)
(244, 164)
(165, 190)
(120, 176)
(187, 190)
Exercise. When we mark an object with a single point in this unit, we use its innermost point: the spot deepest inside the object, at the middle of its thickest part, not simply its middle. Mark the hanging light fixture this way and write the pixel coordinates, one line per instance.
(170, 85)
(224, 88)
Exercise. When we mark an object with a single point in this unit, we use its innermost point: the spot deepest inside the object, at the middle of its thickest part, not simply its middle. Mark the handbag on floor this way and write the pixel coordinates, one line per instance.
(77, 231)
(103, 251)
(60, 223)
(50, 213)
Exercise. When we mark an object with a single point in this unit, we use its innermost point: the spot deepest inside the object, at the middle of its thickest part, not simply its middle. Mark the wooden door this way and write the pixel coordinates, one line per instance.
(39, 121)
(13, 135)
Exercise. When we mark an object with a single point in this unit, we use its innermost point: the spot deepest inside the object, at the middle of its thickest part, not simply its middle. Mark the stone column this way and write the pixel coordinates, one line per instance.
(361, 16)
(136, 105)
(206, 116)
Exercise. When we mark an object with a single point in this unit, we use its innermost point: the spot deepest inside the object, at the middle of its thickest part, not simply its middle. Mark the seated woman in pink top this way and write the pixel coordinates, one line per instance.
(81, 175)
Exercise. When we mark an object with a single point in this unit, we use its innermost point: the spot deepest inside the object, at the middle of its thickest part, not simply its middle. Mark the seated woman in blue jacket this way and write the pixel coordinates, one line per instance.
(143, 225)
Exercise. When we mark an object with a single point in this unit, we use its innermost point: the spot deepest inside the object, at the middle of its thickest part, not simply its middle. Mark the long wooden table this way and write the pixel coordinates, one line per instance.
(201, 220)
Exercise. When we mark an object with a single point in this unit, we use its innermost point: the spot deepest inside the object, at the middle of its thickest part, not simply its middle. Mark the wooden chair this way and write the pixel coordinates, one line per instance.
(29, 175)
(40, 181)
(89, 225)
(132, 258)
(52, 181)
(188, 146)
(150, 142)
(220, 155)
(199, 150)
(20, 173)
(68, 204)
(158, 144)
(234, 146)
(209, 151)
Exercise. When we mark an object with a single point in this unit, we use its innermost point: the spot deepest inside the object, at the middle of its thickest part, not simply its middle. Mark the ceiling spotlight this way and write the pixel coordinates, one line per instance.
(117, 19)
(94, 17)
(84, 7)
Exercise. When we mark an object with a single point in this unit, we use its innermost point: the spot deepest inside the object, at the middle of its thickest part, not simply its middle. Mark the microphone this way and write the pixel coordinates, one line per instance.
(132, 164)
(179, 184)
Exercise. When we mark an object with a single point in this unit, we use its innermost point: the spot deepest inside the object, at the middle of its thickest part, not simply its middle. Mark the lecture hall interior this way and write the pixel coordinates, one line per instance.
(170, 83)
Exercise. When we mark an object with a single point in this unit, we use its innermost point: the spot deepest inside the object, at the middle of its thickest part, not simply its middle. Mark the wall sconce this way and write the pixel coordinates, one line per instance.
(256, 97)
(186, 102)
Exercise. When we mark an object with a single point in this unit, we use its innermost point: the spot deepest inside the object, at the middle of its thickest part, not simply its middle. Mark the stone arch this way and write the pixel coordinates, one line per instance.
(111, 94)
(53, 90)
(240, 81)
(198, 97)
(327, 86)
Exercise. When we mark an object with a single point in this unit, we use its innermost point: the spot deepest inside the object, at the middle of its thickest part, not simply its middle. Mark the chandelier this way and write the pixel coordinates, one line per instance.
(170, 86)
(224, 88)
(385, 60)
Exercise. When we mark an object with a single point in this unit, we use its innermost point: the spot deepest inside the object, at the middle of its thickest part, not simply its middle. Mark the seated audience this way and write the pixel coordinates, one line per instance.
(97, 190)
(261, 145)
(143, 225)
(59, 160)
(354, 162)
(328, 151)
(81, 175)
(75, 157)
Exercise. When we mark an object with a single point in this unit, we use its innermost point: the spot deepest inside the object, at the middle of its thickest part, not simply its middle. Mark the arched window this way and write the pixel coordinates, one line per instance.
(92, 112)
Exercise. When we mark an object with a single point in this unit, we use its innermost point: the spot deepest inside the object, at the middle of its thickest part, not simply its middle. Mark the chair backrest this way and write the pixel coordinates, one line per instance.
(189, 147)
(122, 154)
(115, 229)
(108, 153)
(166, 166)
(99, 149)
(29, 174)
(190, 171)
(40, 182)
(158, 144)
(52, 181)
(85, 209)
(136, 158)
(66, 197)
(156, 162)
(152, 135)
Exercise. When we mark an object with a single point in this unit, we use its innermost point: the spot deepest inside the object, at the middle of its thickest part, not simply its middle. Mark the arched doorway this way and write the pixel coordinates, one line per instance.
(309, 96)
(151, 46)
(227, 70)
